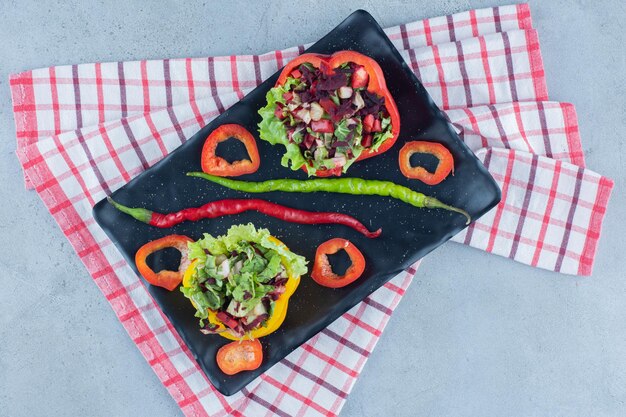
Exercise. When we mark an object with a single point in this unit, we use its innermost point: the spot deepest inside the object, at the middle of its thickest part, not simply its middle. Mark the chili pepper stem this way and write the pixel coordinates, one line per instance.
(141, 214)
(431, 202)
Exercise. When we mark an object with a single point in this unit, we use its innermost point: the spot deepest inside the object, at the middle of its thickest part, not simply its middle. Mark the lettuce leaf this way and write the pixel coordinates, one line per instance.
(296, 264)
(380, 137)
(272, 129)
(341, 130)
(293, 157)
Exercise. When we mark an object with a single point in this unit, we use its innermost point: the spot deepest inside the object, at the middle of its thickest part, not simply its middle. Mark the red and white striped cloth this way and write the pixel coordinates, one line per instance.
(85, 130)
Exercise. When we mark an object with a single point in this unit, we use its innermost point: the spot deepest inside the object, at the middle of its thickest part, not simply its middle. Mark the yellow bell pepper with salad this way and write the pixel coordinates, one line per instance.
(240, 283)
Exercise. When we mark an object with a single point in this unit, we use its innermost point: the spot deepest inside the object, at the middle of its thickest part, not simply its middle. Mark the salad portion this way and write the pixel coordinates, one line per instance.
(329, 112)
(240, 283)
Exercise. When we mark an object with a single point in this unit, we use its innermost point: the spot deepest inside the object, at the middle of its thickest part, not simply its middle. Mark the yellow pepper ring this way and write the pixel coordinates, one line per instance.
(280, 305)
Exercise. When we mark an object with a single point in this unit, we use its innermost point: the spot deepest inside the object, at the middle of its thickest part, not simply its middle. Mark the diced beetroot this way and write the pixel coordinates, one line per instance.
(288, 96)
(377, 127)
(360, 77)
(332, 82)
(366, 142)
(296, 73)
(373, 102)
(280, 281)
(307, 97)
(345, 109)
(340, 143)
(368, 123)
(322, 126)
(227, 320)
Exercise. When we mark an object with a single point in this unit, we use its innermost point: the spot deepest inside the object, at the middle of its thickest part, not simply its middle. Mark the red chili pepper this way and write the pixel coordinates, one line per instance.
(445, 166)
(368, 74)
(166, 279)
(244, 355)
(213, 164)
(322, 271)
(234, 206)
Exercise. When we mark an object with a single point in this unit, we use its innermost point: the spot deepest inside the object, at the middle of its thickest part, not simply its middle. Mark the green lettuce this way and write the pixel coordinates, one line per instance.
(272, 129)
(341, 130)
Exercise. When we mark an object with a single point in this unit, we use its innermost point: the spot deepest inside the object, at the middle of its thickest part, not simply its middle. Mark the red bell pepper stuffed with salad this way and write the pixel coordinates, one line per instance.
(330, 111)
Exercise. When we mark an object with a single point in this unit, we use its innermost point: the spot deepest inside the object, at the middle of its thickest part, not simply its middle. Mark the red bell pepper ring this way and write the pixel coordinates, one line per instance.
(166, 279)
(375, 83)
(244, 355)
(444, 167)
(214, 165)
(322, 271)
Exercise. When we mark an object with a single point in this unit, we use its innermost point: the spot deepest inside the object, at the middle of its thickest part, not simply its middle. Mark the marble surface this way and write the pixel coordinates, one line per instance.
(476, 334)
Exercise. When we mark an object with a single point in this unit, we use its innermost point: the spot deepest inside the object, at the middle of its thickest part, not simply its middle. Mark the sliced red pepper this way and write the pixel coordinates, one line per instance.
(296, 73)
(377, 127)
(368, 123)
(373, 80)
(214, 165)
(227, 320)
(367, 140)
(360, 78)
(245, 355)
(166, 279)
(444, 167)
(322, 271)
(332, 172)
(328, 105)
(322, 126)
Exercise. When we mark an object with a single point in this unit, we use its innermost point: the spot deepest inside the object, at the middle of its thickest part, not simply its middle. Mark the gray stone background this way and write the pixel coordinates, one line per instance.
(476, 334)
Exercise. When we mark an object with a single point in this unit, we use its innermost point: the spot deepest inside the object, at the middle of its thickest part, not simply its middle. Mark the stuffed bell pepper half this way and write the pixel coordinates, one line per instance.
(240, 283)
(330, 111)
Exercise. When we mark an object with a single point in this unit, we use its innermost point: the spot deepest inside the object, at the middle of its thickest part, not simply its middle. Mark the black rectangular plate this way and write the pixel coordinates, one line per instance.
(408, 233)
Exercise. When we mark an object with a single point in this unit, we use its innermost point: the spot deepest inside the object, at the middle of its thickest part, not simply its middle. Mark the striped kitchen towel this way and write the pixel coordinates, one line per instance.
(85, 130)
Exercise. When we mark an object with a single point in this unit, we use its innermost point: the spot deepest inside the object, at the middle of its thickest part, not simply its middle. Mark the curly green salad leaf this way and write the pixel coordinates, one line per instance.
(271, 128)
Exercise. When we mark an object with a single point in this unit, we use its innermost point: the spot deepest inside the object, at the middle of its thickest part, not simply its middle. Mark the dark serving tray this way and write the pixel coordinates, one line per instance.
(408, 234)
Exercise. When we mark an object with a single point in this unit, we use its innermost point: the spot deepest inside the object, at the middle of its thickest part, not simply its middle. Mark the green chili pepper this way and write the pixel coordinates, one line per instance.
(357, 186)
